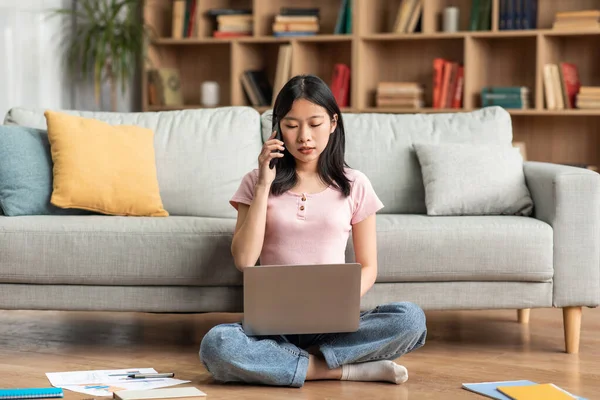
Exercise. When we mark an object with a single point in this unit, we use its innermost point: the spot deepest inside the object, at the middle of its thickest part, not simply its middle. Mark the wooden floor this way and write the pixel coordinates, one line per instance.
(468, 346)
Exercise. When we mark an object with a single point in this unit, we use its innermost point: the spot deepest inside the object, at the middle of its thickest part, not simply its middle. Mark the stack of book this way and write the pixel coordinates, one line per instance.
(517, 15)
(448, 82)
(408, 16)
(561, 85)
(567, 20)
(400, 94)
(229, 22)
(505, 96)
(293, 21)
(588, 97)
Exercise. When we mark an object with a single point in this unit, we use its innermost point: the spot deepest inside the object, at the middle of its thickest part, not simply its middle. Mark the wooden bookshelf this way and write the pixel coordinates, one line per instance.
(490, 58)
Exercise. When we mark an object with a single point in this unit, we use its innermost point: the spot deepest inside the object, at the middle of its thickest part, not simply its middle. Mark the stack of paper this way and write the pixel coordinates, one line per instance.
(105, 382)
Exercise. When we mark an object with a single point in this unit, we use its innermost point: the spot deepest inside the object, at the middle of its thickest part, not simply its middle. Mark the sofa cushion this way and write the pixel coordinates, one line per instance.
(418, 248)
(109, 169)
(381, 146)
(112, 250)
(466, 179)
(201, 155)
(26, 173)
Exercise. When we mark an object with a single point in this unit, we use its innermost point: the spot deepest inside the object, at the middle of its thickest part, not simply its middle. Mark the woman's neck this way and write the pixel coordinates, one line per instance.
(307, 169)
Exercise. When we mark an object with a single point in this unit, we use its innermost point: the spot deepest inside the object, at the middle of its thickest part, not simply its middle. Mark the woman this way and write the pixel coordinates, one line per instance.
(301, 212)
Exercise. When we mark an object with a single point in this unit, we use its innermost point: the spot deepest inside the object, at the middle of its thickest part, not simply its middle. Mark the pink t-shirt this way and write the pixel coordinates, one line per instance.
(311, 228)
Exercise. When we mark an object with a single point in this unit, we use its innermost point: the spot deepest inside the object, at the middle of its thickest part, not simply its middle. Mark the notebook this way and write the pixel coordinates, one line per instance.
(168, 393)
(488, 389)
(31, 393)
(545, 391)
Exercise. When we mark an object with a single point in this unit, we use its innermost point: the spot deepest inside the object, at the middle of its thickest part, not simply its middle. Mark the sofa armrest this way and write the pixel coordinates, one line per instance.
(568, 198)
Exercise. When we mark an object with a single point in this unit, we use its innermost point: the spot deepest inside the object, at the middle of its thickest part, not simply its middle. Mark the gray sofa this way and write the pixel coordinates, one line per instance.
(182, 263)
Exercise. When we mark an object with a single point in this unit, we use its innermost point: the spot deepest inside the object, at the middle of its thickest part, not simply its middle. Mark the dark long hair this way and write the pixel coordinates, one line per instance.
(331, 162)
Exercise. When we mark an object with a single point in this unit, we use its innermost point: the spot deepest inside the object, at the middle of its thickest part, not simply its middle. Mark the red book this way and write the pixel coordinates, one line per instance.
(458, 90)
(438, 74)
(192, 19)
(447, 75)
(340, 84)
(572, 82)
(219, 34)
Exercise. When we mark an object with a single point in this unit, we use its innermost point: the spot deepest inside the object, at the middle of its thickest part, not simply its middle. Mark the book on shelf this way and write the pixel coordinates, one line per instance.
(570, 20)
(231, 22)
(481, 15)
(257, 87)
(343, 24)
(519, 14)
(283, 71)
(506, 97)
(408, 16)
(233, 25)
(340, 84)
(588, 97)
(296, 22)
(448, 82)
(400, 94)
(561, 85)
(184, 21)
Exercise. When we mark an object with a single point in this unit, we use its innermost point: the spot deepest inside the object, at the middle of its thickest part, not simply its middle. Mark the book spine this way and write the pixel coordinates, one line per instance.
(571, 81)
(525, 17)
(510, 15)
(458, 93)
(502, 15)
(474, 18)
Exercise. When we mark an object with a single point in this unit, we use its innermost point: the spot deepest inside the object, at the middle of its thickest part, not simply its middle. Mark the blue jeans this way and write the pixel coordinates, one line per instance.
(384, 333)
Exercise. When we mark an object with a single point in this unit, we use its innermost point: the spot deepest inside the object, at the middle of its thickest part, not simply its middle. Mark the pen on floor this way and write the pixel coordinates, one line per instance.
(144, 376)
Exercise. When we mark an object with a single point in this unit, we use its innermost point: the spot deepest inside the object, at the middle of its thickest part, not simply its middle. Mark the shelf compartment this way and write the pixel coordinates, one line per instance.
(547, 9)
(499, 61)
(574, 50)
(252, 56)
(210, 63)
(319, 58)
(383, 61)
(559, 139)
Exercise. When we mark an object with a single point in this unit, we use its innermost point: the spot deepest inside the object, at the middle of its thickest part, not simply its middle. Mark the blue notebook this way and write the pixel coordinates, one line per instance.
(32, 393)
(488, 389)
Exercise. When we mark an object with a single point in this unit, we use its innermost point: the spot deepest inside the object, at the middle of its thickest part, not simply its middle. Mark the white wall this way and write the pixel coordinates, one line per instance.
(31, 74)
(32, 71)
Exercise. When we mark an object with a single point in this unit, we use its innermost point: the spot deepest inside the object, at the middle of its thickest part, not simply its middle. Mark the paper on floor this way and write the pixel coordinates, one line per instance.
(105, 382)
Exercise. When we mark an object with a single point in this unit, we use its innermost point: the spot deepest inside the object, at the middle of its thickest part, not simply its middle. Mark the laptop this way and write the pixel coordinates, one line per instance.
(301, 299)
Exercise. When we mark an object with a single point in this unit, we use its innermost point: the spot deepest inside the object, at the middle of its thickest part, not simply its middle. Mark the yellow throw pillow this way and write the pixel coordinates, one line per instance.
(103, 168)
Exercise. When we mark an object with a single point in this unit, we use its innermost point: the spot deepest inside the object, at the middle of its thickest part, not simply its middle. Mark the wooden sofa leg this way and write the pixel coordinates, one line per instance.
(523, 315)
(572, 327)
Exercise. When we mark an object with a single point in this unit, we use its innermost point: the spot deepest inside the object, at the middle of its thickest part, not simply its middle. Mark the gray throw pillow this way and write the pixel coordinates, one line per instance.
(468, 179)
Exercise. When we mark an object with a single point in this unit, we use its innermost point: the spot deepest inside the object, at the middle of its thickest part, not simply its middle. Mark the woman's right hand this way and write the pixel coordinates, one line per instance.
(272, 148)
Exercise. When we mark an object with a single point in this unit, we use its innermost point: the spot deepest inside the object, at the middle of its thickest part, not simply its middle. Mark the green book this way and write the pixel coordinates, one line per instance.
(474, 20)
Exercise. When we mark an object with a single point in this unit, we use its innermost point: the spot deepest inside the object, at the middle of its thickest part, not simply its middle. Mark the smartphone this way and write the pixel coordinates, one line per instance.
(278, 136)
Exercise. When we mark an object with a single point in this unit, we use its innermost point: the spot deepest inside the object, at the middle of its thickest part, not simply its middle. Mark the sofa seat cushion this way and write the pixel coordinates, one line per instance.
(419, 248)
(109, 250)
